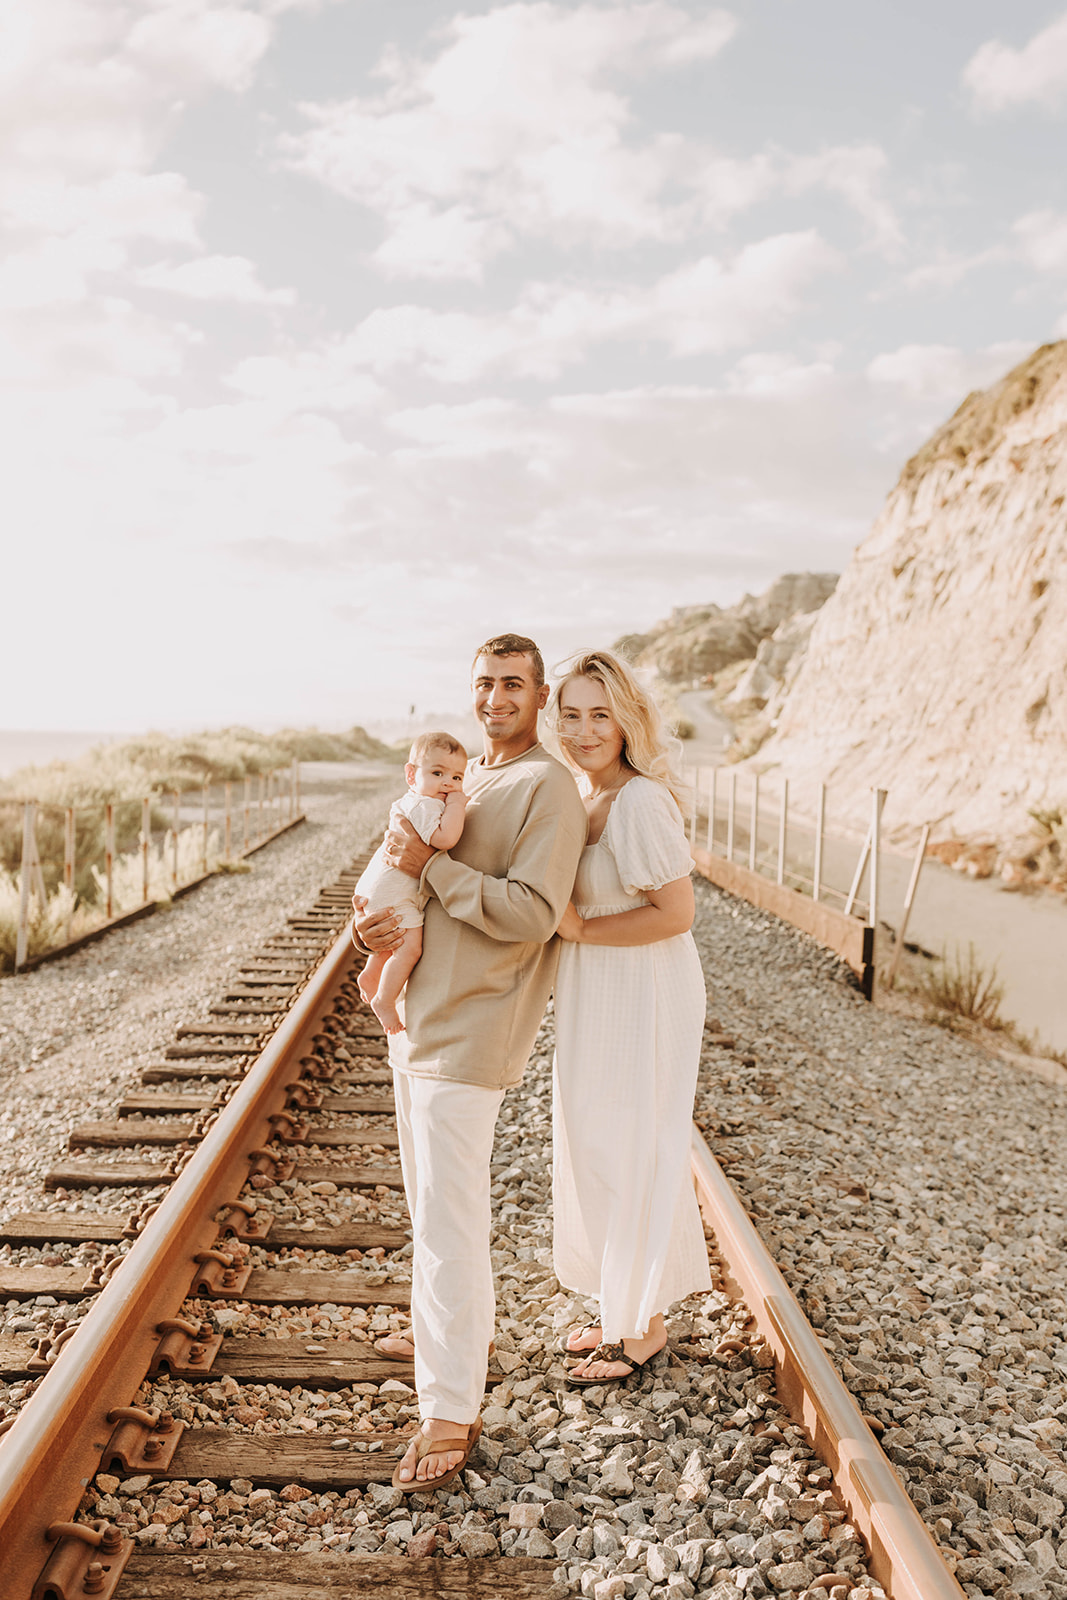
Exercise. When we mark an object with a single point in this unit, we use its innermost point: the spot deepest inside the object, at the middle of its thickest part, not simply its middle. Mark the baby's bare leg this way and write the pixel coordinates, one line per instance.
(397, 971)
(371, 976)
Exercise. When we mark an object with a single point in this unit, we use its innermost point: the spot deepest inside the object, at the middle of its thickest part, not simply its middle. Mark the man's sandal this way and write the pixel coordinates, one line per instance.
(382, 1346)
(436, 1447)
(610, 1352)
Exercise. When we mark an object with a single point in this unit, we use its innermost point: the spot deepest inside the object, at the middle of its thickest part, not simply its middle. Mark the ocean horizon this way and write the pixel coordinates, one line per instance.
(35, 747)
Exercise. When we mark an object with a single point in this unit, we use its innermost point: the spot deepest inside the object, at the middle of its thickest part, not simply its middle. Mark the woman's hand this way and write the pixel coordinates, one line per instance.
(570, 927)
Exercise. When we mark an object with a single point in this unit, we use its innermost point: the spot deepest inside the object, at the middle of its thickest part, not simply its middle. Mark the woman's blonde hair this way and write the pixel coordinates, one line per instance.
(647, 747)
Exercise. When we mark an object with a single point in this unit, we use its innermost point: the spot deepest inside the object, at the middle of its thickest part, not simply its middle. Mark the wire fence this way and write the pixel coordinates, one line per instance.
(82, 868)
(747, 825)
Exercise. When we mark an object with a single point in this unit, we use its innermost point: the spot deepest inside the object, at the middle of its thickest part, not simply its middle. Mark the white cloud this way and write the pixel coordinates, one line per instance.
(475, 430)
(942, 373)
(199, 42)
(1000, 77)
(232, 278)
(514, 117)
(1042, 239)
(323, 379)
(856, 173)
(774, 374)
(704, 306)
(948, 268)
(449, 243)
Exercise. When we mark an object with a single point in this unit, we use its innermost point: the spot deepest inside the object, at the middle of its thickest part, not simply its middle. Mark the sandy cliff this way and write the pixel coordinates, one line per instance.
(938, 667)
(697, 642)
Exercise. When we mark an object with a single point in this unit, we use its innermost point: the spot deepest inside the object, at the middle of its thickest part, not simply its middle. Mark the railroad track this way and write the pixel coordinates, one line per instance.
(283, 1090)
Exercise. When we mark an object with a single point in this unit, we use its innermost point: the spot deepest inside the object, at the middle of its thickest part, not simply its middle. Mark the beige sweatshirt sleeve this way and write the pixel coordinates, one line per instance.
(526, 905)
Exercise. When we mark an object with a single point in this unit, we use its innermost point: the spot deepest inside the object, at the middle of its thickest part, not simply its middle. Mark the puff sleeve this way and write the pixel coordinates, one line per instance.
(646, 835)
(424, 813)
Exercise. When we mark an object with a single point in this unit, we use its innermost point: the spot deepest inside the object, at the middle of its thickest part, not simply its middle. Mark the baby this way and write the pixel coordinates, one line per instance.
(435, 806)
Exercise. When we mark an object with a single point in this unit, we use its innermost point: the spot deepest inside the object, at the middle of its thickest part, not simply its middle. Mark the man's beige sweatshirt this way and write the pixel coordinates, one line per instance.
(476, 998)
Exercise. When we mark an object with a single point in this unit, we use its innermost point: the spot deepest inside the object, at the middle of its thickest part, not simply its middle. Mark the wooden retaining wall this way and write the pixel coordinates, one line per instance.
(849, 938)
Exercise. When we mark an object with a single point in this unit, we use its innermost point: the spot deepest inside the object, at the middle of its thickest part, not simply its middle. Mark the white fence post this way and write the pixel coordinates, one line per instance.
(69, 850)
(782, 824)
(109, 857)
(754, 824)
(909, 899)
(731, 808)
(711, 808)
(174, 841)
(146, 847)
(820, 828)
(29, 820)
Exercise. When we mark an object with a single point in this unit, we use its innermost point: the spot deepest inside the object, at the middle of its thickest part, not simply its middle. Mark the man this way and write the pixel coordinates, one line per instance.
(473, 1007)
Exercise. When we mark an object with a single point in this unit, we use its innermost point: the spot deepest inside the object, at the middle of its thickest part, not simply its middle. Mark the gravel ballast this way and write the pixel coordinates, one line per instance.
(903, 1179)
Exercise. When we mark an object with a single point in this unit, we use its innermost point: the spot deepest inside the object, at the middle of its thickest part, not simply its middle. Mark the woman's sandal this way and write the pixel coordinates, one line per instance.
(437, 1447)
(566, 1349)
(610, 1352)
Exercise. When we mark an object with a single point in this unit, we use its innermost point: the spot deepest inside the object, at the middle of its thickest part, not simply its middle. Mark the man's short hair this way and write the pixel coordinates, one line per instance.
(513, 644)
(427, 743)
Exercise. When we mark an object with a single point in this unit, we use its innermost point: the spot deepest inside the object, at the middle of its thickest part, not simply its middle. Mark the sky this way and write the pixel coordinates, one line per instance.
(338, 335)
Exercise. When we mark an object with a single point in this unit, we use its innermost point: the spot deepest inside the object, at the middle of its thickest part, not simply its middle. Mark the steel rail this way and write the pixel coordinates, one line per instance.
(903, 1554)
(54, 1448)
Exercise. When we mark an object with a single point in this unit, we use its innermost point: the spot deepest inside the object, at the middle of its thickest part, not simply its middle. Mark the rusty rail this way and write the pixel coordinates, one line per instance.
(904, 1556)
(57, 1440)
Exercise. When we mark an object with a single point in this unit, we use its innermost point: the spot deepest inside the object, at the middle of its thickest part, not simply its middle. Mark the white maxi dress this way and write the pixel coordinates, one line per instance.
(629, 1023)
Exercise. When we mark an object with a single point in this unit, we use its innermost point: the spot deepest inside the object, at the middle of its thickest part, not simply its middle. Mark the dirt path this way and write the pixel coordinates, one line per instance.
(1023, 935)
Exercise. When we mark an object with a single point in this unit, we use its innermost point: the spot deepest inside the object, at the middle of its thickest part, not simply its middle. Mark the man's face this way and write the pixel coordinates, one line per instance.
(507, 697)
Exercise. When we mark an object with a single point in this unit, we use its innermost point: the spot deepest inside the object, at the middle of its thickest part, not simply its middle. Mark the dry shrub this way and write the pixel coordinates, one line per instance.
(1050, 850)
(127, 875)
(47, 924)
(965, 989)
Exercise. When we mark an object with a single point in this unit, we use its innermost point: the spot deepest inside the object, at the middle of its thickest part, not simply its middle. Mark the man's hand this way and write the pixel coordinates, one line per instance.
(381, 931)
(570, 927)
(405, 850)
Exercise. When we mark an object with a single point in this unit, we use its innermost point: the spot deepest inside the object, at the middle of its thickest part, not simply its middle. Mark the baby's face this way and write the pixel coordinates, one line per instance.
(437, 774)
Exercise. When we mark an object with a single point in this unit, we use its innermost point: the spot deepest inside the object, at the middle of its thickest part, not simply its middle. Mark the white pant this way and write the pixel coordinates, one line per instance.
(446, 1141)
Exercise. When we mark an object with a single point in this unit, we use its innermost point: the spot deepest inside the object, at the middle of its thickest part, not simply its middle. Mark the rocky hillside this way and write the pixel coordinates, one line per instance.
(938, 668)
(695, 643)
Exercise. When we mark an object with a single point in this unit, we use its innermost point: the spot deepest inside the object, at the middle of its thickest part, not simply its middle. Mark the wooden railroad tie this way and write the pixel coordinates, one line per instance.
(71, 1227)
(149, 1174)
(287, 1575)
(265, 1287)
(119, 1135)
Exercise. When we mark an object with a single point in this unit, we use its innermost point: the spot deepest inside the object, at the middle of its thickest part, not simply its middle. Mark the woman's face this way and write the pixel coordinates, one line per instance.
(592, 739)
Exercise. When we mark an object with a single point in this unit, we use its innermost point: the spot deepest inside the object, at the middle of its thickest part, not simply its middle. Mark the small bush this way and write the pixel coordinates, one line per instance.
(47, 924)
(965, 989)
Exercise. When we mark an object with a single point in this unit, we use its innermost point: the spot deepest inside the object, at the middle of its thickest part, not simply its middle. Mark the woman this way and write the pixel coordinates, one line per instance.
(629, 1020)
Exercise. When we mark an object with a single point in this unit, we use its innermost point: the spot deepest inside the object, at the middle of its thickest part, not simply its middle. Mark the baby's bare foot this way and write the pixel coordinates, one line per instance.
(387, 1015)
(367, 990)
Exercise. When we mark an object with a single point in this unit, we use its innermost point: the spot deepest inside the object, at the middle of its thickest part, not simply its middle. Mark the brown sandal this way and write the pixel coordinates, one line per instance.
(437, 1447)
(565, 1347)
(396, 1355)
(610, 1352)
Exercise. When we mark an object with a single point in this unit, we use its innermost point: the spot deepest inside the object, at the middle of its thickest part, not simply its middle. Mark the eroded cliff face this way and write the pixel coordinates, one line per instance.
(938, 668)
(696, 642)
